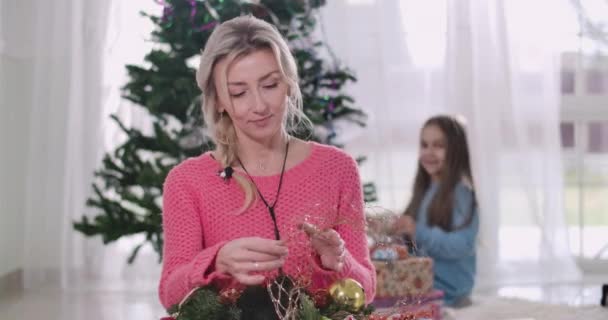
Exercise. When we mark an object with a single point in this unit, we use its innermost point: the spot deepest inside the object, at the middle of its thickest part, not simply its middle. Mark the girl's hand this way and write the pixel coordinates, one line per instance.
(405, 225)
(328, 245)
(241, 257)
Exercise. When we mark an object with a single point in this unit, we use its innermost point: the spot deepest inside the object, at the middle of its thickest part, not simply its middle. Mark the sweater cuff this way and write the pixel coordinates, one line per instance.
(202, 270)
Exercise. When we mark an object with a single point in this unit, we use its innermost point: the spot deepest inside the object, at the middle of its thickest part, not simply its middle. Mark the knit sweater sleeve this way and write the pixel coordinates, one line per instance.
(357, 262)
(187, 263)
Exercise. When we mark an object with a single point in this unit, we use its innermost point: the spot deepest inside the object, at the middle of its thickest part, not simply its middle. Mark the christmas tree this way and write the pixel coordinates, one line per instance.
(128, 187)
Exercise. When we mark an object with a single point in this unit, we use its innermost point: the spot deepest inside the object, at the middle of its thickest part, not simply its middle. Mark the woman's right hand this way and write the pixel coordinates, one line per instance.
(241, 257)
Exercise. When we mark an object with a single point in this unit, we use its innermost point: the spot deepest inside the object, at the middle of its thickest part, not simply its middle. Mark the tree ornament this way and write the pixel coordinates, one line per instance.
(349, 293)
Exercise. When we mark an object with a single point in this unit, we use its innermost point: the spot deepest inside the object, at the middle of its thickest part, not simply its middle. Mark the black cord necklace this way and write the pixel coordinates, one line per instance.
(270, 208)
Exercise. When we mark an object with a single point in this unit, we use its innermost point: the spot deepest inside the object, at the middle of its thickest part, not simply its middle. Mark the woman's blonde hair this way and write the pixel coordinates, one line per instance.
(232, 39)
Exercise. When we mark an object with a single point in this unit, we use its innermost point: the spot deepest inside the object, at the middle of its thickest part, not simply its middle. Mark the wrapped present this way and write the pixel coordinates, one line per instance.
(430, 310)
(421, 311)
(388, 302)
(406, 278)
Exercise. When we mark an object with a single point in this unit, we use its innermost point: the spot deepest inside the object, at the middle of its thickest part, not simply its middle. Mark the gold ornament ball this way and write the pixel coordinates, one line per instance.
(349, 293)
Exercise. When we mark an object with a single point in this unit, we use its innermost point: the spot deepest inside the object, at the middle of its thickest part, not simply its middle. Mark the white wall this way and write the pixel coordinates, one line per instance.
(15, 102)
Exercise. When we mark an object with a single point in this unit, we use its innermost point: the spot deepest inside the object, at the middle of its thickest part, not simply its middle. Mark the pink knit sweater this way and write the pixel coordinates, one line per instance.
(199, 216)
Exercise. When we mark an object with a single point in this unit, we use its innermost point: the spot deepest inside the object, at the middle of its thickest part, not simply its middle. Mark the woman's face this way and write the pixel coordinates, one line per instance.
(257, 94)
(433, 147)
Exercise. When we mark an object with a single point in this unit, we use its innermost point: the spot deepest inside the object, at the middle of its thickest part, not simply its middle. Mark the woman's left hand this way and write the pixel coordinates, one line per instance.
(405, 225)
(329, 246)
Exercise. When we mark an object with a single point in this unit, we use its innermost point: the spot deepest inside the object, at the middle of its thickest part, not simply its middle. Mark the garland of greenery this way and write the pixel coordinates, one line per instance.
(254, 303)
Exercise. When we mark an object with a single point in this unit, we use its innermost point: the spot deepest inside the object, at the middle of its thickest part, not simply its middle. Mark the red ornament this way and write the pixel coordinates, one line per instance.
(230, 295)
(320, 298)
(303, 281)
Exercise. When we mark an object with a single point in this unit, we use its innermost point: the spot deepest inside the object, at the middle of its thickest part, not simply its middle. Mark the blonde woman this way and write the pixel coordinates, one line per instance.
(228, 212)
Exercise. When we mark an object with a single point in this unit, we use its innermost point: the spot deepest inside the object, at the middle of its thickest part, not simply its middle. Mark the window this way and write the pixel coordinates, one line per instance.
(584, 138)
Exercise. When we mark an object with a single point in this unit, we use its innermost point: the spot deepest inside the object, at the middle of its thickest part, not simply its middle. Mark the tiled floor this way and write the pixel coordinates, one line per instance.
(48, 304)
(586, 292)
(72, 305)
(572, 294)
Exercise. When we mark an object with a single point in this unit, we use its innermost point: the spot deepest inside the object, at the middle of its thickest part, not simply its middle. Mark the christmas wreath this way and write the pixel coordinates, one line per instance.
(282, 298)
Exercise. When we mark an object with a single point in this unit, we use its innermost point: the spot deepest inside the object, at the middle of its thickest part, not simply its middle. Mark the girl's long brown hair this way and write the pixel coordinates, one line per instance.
(457, 167)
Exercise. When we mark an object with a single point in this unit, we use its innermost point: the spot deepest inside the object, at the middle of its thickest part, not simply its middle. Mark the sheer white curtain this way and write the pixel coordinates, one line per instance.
(64, 130)
(503, 75)
(493, 62)
(75, 52)
(128, 41)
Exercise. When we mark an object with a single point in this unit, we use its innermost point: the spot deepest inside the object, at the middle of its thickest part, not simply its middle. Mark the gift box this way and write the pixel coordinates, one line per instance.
(421, 311)
(407, 278)
(388, 302)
